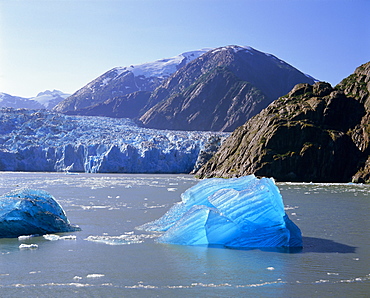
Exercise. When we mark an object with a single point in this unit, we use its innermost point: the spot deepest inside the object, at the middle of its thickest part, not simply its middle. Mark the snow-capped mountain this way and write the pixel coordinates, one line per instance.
(41, 140)
(213, 89)
(120, 81)
(49, 99)
(221, 90)
(44, 100)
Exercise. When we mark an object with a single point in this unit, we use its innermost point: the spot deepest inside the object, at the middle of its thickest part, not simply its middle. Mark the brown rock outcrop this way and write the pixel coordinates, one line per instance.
(314, 133)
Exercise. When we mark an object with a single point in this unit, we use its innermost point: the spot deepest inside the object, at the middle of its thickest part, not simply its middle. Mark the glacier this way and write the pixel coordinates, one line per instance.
(31, 212)
(245, 212)
(40, 140)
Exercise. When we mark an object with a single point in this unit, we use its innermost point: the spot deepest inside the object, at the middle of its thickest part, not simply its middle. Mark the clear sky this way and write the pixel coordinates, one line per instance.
(64, 44)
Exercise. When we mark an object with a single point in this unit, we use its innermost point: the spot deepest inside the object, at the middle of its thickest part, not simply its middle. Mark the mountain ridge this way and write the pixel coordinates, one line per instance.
(216, 90)
(120, 81)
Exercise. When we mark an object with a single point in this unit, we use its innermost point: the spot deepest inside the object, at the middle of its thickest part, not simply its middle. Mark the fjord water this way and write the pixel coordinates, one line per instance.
(109, 258)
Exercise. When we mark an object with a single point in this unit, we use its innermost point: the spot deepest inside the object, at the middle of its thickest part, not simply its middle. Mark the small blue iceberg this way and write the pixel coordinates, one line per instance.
(31, 212)
(244, 212)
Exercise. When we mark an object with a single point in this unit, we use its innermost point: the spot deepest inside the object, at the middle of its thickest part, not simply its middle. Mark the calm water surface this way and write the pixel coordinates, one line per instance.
(109, 258)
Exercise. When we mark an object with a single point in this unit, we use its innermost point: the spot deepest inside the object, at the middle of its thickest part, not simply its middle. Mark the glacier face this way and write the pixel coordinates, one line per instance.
(244, 212)
(39, 140)
(31, 212)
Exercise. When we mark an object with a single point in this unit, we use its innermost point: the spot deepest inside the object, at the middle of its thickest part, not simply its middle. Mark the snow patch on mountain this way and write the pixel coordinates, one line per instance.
(162, 68)
(48, 99)
(236, 49)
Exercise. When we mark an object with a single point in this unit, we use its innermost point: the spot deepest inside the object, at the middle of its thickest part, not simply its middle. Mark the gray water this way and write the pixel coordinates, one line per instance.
(109, 258)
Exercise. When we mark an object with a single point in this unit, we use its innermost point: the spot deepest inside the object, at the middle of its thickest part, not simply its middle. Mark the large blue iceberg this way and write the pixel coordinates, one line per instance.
(31, 212)
(244, 212)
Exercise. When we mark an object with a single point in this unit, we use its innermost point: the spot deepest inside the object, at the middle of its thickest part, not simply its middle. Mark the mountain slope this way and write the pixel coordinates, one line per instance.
(220, 90)
(217, 101)
(126, 106)
(315, 133)
(120, 81)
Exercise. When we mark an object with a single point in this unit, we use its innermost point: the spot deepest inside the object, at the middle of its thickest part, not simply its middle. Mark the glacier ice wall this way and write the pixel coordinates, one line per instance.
(45, 141)
(31, 212)
(241, 212)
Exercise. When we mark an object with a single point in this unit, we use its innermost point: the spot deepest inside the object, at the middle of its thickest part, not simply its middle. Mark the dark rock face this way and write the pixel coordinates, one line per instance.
(315, 133)
(126, 106)
(220, 90)
(221, 102)
(357, 86)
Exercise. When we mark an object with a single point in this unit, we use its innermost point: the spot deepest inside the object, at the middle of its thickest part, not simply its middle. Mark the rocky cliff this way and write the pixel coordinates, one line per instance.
(357, 86)
(314, 133)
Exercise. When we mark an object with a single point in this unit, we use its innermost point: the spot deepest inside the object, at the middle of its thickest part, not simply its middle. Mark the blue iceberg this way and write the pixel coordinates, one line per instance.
(244, 212)
(31, 212)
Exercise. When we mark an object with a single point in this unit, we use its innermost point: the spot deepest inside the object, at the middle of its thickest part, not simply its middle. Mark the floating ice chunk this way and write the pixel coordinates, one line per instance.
(25, 237)
(28, 246)
(95, 275)
(127, 238)
(238, 212)
(29, 212)
(51, 237)
(68, 237)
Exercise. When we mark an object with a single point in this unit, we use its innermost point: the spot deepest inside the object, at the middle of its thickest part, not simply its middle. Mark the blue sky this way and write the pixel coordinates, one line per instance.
(64, 44)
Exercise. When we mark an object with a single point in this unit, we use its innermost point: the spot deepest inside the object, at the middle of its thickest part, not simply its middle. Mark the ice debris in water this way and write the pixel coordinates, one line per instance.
(127, 238)
(53, 237)
(31, 212)
(236, 213)
(28, 246)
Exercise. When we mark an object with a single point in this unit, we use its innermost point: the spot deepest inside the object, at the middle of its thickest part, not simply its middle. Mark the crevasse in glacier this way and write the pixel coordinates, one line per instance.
(31, 212)
(239, 212)
(33, 140)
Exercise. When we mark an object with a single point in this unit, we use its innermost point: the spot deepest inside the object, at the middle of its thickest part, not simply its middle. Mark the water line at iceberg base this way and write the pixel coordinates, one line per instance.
(244, 212)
